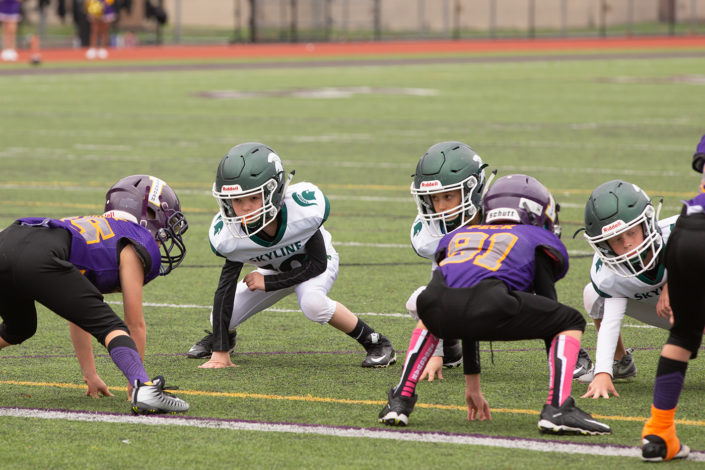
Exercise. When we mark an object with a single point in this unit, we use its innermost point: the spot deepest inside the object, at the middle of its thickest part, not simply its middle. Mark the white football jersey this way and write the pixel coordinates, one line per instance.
(303, 212)
(635, 296)
(422, 241)
(608, 284)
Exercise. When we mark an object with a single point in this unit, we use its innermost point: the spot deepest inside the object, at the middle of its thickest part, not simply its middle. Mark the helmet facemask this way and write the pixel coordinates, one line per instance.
(151, 203)
(441, 223)
(247, 225)
(171, 243)
(639, 260)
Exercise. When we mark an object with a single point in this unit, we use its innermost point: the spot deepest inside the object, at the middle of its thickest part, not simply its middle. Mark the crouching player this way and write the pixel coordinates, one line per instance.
(482, 291)
(279, 229)
(68, 264)
(627, 276)
(447, 187)
(685, 261)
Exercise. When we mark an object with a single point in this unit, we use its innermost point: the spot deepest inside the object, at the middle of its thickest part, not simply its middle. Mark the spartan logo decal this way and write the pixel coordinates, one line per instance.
(418, 227)
(218, 226)
(306, 198)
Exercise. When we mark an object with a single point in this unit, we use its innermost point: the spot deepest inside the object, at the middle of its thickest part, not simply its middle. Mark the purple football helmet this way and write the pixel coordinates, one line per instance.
(521, 199)
(150, 202)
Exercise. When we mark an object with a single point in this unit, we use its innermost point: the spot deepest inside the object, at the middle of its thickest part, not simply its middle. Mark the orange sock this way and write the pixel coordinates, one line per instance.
(662, 424)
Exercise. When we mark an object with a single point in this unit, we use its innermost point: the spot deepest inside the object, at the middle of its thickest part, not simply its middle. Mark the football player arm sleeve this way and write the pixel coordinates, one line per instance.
(315, 263)
(608, 334)
(544, 274)
(223, 302)
(471, 357)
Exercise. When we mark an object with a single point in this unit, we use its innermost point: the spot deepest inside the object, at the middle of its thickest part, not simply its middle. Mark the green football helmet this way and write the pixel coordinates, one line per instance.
(612, 209)
(250, 169)
(448, 166)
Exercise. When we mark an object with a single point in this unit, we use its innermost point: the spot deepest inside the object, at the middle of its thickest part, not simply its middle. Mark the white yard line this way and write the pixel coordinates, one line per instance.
(344, 432)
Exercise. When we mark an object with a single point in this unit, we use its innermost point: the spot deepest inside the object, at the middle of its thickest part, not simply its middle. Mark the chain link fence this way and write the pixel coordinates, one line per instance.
(243, 21)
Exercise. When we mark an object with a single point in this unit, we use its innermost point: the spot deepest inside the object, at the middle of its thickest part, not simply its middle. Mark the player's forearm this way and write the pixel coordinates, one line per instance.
(608, 336)
(223, 303)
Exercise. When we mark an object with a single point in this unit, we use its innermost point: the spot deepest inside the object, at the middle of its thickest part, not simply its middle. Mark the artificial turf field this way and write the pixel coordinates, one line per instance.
(299, 398)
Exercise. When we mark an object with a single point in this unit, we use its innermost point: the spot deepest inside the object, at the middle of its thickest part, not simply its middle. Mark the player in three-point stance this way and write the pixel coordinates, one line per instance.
(279, 229)
(68, 264)
(495, 282)
(627, 276)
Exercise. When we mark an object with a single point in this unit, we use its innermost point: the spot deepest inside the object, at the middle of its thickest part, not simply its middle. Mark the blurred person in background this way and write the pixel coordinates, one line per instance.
(100, 14)
(10, 15)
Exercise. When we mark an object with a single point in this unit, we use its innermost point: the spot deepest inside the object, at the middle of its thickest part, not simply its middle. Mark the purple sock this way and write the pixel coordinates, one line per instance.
(123, 352)
(667, 390)
(670, 375)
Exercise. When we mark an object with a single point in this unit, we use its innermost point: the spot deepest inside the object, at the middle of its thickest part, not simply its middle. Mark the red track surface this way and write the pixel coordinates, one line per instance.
(314, 50)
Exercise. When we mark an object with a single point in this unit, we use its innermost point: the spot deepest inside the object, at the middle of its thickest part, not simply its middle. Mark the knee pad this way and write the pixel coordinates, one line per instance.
(593, 303)
(411, 303)
(317, 307)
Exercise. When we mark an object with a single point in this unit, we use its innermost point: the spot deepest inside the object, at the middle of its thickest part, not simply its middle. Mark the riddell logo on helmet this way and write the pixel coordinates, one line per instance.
(235, 187)
(612, 226)
(430, 184)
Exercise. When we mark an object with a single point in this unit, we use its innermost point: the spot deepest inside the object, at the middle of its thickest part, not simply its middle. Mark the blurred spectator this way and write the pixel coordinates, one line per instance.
(100, 14)
(10, 15)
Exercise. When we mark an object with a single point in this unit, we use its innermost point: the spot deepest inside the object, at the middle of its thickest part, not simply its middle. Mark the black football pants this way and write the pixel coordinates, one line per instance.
(34, 266)
(489, 311)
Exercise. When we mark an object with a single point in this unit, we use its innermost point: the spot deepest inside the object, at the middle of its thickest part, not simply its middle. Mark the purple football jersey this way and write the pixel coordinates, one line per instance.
(94, 246)
(505, 252)
(696, 205)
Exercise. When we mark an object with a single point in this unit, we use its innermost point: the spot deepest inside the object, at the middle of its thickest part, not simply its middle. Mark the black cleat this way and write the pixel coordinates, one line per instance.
(654, 449)
(380, 352)
(397, 410)
(569, 419)
(204, 348)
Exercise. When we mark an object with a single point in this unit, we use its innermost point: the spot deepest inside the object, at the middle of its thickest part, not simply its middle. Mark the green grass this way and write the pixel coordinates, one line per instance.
(67, 137)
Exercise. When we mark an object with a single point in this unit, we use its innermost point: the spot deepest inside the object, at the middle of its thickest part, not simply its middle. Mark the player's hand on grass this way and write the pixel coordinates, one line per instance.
(601, 386)
(254, 281)
(96, 387)
(218, 360)
(434, 369)
(478, 408)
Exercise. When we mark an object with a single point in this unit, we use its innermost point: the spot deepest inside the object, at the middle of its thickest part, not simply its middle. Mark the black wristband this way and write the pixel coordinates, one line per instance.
(698, 161)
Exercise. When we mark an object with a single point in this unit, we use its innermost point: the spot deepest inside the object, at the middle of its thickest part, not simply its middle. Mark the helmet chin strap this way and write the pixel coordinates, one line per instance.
(487, 184)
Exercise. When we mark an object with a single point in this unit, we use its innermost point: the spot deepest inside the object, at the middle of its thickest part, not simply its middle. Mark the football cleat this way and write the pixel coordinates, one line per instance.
(625, 367)
(153, 399)
(621, 370)
(452, 353)
(380, 352)
(569, 419)
(204, 348)
(397, 410)
(654, 449)
(584, 364)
